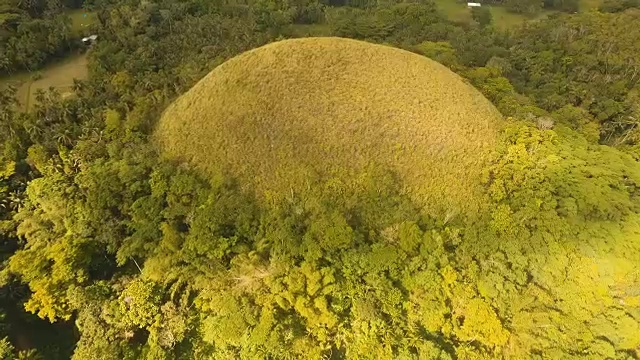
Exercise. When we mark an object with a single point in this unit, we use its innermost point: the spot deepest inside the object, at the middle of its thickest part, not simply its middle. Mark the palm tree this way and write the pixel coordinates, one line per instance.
(64, 137)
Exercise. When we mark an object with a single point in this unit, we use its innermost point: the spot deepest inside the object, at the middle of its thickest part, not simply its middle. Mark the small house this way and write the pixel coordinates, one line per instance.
(89, 39)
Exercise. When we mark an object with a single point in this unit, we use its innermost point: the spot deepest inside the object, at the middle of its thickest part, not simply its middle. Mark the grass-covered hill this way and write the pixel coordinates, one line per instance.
(302, 109)
(136, 256)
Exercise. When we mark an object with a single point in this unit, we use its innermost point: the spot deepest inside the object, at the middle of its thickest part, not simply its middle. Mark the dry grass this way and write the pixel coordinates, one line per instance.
(281, 115)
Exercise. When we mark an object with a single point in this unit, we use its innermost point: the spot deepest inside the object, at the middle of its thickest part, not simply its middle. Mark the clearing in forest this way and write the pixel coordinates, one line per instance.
(81, 21)
(502, 18)
(58, 75)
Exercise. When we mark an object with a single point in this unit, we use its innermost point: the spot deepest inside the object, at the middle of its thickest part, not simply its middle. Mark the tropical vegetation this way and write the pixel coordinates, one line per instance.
(115, 248)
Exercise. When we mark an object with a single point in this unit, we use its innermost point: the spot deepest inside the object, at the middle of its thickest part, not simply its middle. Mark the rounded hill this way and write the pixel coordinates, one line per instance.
(281, 116)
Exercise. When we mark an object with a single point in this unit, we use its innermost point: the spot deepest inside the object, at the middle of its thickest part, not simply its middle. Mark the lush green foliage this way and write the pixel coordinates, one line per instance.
(32, 32)
(482, 16)
(591, 61)
(150, 260)
(619, 5)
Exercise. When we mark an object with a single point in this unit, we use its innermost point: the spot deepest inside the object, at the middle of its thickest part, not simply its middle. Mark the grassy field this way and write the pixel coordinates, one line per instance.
(503, 19)
(586, 5)
(454, 10)
(58, 75)
(319, 108)
(81, 20)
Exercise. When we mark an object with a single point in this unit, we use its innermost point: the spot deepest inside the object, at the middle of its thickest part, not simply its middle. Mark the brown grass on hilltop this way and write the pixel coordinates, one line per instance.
(283, 114)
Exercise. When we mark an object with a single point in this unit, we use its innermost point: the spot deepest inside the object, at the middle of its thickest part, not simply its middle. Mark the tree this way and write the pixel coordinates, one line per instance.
(598, 72)
(154, 261)
(570, 6)
(482, 15)
(527, 7)
(613, 6)
(28, 40)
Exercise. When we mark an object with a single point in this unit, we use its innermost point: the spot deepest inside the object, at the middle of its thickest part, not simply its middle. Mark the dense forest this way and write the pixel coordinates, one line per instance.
(34, 32)
(111, 251)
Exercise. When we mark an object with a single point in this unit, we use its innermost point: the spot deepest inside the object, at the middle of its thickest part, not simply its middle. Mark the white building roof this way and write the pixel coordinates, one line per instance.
(92, 38)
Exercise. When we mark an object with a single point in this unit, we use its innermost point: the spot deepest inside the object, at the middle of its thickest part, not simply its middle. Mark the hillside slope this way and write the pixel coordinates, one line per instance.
(279, 116)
